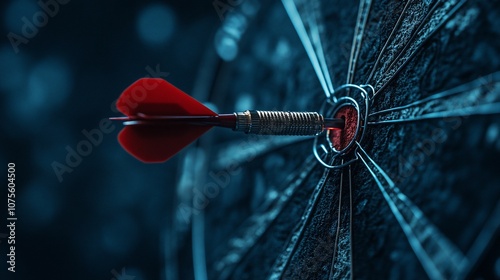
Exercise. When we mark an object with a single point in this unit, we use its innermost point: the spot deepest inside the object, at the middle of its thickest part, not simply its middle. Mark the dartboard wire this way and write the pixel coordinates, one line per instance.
(412, 38)
(239, 152)
(468, 87)
(316, 40)
(483, 239)
(350, 223)
(420, 43)
(474, 98)
(341, 265)
(424, 31)
(363, 13)
(439, 257)
(485, 109)
(298, 24)
(409, 41)
(283, 260)
(257, 225)
(338, 223)
(389, 39)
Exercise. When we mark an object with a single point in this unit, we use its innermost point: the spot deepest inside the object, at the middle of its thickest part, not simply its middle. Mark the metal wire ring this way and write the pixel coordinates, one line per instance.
(341, 102)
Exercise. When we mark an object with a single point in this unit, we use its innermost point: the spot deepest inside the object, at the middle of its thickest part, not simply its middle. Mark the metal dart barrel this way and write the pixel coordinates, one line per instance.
(284, 123)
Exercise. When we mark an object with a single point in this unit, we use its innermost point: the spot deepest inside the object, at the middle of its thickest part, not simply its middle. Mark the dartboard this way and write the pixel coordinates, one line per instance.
(408, 190)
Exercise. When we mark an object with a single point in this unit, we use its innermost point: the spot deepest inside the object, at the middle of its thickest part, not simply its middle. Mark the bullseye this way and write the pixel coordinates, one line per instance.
(336, 148)
(340, 139)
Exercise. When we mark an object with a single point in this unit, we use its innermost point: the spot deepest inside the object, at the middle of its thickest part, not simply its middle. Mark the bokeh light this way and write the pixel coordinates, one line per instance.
(47, 86)
(14, 13)
(119, 234)
(12, 70)
(156, 24)
(38, 205)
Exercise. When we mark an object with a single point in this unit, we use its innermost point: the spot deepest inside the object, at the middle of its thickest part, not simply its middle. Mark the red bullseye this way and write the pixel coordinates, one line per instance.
(341, 139)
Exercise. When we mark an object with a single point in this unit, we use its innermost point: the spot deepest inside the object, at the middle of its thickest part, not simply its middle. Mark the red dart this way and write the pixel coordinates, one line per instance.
(161, 120)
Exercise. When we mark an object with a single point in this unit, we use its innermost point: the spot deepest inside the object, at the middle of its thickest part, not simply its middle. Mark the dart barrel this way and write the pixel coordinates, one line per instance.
(279, 122)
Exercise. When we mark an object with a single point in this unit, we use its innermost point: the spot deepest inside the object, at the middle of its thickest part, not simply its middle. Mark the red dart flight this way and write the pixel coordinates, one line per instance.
(161, 120)
(157, 143)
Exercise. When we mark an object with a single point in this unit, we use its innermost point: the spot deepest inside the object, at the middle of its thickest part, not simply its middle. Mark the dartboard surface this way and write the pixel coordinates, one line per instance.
(416, 194)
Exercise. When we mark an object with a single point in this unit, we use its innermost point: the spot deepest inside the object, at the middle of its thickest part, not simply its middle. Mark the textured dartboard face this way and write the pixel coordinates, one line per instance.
(416, 196)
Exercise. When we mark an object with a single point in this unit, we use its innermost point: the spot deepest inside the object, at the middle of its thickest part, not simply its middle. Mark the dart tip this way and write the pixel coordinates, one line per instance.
(334, 123)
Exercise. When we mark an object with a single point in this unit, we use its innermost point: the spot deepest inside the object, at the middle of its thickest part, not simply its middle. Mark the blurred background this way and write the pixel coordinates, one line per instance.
(85, 208)
(88, 210)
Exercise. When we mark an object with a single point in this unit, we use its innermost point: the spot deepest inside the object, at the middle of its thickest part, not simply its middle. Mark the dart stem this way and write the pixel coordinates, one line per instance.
(333, 123)
(222, 120)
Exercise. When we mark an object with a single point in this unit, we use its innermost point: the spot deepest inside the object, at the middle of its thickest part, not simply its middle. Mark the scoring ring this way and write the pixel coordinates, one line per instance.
(346, 96)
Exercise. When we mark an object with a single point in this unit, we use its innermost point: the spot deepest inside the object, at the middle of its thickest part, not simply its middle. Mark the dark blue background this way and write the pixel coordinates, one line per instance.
(110, 211)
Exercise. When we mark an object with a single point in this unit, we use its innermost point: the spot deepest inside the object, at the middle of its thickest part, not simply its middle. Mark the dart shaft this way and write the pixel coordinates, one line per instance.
(222, 120)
